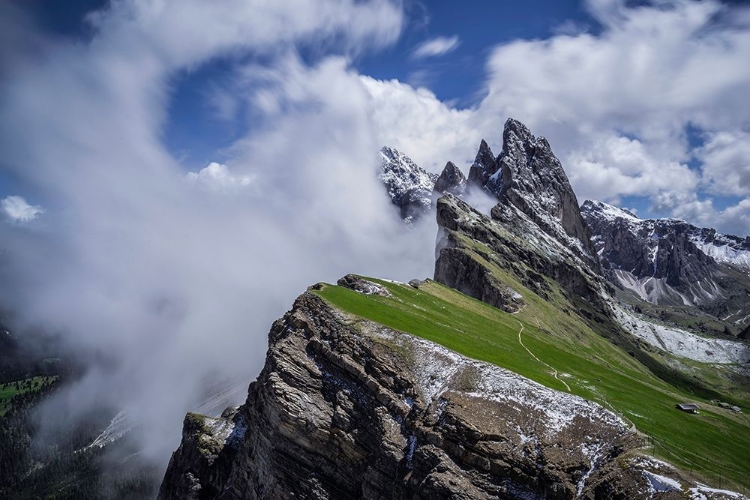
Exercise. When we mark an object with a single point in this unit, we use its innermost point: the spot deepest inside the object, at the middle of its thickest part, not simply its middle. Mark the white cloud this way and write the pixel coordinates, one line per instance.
(617, 166)
(435, 47)
(616, 105)
(726, 162)
(16, 209)
(418, 124)
(218, 177)
(734, 219)
(175, 284)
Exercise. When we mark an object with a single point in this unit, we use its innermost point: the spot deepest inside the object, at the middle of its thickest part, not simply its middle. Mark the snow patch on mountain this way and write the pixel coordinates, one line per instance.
(409, 186)
(723, 249)
(681, 343)
(437, 368)
(658, 291)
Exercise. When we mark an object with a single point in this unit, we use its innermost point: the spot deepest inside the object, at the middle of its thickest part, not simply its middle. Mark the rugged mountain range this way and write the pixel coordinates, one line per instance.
(518, 372)
(671, 262)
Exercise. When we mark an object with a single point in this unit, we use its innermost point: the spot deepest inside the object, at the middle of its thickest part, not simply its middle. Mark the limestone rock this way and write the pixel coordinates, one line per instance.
(670, 262)
(528, 177)
(340, 413)
(361, 285)
(484, 166)
(409, 186)
(451, 180)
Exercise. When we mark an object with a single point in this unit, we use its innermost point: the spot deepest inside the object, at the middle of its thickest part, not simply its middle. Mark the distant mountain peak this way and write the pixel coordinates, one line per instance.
(485, 165)
(669, 261)
(608, 210)
(409, 186)
(451, 180)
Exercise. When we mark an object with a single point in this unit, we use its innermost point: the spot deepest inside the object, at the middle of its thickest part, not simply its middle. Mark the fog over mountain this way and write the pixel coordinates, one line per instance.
(154, 272)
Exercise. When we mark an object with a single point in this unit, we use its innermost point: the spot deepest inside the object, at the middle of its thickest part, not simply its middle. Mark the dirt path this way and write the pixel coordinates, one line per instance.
(554, 372)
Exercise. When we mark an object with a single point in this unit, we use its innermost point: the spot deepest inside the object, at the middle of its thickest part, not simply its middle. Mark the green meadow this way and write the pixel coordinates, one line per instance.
(565, 354)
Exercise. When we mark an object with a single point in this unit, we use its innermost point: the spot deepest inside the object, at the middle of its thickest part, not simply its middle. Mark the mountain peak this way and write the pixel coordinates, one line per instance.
(515, 128)
(451, 180)
(607, 210)
(669, 261)
(532, 179)
(409, 186)
(485, 165)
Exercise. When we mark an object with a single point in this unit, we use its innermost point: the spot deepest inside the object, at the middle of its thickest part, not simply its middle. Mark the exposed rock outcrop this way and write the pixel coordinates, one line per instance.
(474, 250)
(669, 262)
(451, 180)
(354, 410)
(529, 177)
(409, 186)
(484, 166)
(361, 285)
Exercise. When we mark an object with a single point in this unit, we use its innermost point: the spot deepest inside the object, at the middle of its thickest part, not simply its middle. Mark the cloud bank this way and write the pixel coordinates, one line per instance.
(16, 209)
(618, 106)
(160, 278)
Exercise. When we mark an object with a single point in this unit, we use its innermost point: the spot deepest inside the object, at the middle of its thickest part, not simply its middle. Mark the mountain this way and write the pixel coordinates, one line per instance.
(367, 411)
(526, 176)
(451, 180)
(519, 372)
(671, 262)
(409, 186)
(414, 190)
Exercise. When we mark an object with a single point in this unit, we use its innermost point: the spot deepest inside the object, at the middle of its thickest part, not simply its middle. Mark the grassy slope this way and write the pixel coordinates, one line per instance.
(713, 443)
(8, 390)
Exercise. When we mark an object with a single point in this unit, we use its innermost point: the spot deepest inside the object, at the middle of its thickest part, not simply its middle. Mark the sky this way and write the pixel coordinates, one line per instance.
(175, 172)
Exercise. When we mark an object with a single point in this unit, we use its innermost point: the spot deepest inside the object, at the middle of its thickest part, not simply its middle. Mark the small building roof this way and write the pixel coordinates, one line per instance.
(687, 406)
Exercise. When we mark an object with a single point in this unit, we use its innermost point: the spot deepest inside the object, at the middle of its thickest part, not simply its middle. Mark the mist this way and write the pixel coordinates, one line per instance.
(159, 277)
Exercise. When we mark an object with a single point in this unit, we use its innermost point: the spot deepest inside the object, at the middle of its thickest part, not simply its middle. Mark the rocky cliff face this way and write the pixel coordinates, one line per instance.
(668, 261)
(535, 230)
(409, 186)
(473, 247)
(345, 410)
(527, 176)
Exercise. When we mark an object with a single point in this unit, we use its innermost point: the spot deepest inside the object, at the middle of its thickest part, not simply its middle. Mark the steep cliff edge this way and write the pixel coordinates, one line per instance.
(527, 177)
(669, 262)
(346, 409)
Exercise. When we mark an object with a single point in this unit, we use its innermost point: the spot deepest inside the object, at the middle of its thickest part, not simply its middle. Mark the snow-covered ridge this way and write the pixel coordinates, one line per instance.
(658, 291)
(402, 176)
(723, 248)
(610, 212)
(682, 343)
(437, 368)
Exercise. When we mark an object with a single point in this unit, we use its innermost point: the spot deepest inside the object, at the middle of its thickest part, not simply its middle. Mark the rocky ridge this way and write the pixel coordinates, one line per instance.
(528, 177)
(671, 262)
(346, 409)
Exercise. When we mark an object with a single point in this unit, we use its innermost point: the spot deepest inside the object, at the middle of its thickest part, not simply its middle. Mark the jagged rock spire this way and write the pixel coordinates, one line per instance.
(528, 176)
(484, 166)
(451, 180)
(409, 186)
